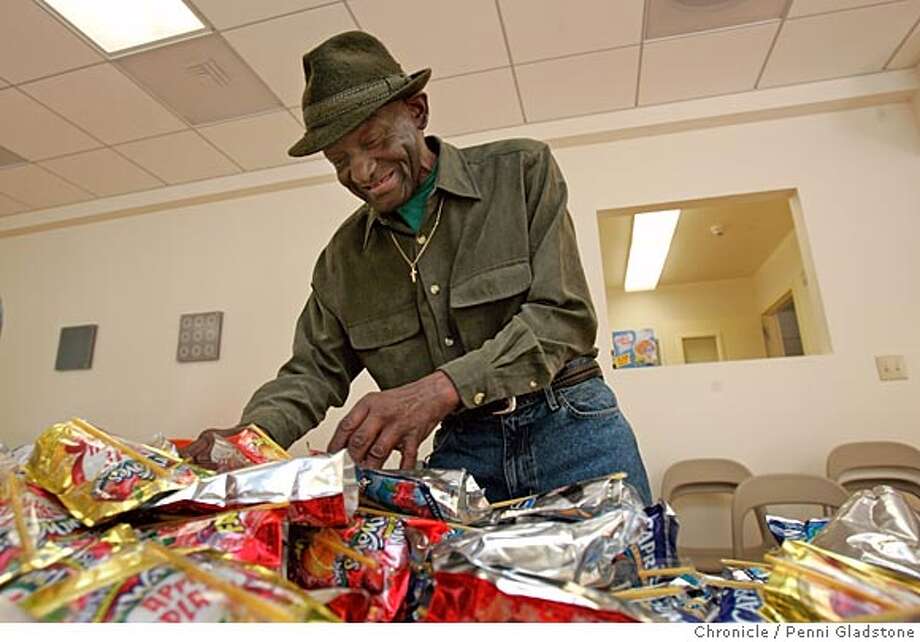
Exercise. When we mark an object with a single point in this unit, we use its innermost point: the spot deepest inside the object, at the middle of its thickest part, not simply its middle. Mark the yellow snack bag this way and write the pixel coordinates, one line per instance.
(98, 476)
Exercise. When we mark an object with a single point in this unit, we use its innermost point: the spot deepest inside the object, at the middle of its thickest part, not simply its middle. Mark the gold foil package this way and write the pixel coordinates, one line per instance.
(810, 584)
(35, 529)
(98, 476)
(148, 583)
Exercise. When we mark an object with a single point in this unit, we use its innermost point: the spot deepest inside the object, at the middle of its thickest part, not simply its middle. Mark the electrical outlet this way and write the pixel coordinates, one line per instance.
(891, 367)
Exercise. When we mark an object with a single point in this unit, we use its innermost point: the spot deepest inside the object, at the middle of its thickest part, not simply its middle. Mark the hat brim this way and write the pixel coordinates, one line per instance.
(318, 138)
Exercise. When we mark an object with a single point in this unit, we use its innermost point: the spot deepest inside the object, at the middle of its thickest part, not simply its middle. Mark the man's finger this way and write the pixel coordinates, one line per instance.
(364, 437)
(199, 446)
(409, 453)
(349, 424)
(382, 447)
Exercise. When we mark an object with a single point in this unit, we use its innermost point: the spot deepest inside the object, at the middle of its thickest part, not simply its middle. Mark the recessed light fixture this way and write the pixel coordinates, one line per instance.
(121, 25)
(652, 233)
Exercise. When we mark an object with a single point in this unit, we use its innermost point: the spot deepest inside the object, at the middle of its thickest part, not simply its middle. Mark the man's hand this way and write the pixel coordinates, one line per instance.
(199, 451)
(397, 419)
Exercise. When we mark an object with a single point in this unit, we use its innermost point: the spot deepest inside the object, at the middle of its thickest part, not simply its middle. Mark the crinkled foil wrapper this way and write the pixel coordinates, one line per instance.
(276, 483)
(448, 495)
(578, 552)
(876, 526)
(574, 502)
(98, 476)
(519, 597)
(147, 583)
(809, 584)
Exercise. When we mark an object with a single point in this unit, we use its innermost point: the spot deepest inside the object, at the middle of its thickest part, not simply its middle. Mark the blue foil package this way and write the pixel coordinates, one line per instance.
(740, 605)
(656, 548)
(783, 528)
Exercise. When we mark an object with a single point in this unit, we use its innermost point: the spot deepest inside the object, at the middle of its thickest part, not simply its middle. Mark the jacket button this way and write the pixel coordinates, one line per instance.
(533, 384)
(435, 288)
(448, 341)
(478, 398)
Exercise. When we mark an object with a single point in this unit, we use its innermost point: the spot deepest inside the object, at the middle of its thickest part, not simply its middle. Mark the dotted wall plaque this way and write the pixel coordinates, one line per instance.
(199, 336)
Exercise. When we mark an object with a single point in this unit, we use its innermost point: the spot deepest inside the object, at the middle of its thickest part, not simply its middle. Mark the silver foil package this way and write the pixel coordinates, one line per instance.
(575, 502)
(447, 495)
(876, 526)
(581, 552)
(320, 490)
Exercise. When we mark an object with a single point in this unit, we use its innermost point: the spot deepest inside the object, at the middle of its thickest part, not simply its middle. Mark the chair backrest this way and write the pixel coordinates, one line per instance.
(871, 454)
(694, 476)
(766, 490)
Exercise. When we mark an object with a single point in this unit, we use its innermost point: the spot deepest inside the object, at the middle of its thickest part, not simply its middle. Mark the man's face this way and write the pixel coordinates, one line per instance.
(380, 162)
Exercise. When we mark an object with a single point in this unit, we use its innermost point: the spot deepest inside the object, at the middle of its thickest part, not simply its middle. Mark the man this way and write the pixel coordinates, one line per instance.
(459, 287)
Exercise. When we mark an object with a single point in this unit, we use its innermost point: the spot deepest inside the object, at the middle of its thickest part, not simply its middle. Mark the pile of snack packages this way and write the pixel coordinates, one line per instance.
(97, 528)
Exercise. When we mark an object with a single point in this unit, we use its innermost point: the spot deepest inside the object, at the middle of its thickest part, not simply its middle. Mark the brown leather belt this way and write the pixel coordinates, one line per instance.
(572, 373)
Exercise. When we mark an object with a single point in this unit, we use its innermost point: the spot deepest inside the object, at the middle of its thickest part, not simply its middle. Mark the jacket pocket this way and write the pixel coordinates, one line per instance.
(494, 284)
(384, 330)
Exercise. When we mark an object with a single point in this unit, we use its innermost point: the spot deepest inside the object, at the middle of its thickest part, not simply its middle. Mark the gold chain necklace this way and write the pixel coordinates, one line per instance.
(413, 272)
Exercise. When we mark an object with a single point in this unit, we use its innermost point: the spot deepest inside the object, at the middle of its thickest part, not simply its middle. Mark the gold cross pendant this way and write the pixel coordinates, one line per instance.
(413, 273)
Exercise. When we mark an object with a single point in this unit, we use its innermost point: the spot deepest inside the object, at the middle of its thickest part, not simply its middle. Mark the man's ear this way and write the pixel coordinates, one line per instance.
(418, 110)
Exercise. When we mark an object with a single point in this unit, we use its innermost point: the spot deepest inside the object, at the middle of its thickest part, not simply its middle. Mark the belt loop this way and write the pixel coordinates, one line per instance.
(551, 399)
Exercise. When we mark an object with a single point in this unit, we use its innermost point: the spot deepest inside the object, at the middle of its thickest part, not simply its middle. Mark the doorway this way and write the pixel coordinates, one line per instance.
(781, 334)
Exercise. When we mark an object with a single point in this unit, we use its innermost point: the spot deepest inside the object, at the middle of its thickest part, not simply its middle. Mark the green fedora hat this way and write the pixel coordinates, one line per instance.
(348, 78)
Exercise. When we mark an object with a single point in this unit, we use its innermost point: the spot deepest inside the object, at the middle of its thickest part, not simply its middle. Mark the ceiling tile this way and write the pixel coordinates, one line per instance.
(476, 102)
(9, 206)
(224, 14)
(202, 79)
(274, 49)
(106, 103)
(673, 17)
(705, 64)
(909, 54)
(179, 158)
(577, 85)
(38, 187)
(102, 172)
(540, 29)
(257, 142)
(811, 7)
(462, 37)
(34, 44)
(838, 44)
(33, 131)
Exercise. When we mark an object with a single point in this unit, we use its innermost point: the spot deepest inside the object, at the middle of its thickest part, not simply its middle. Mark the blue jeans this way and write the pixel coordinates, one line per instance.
(552, 439)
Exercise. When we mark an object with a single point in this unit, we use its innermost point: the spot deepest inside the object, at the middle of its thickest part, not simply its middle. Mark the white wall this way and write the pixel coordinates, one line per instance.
(726, 308)
(783, 272)
(858, 177)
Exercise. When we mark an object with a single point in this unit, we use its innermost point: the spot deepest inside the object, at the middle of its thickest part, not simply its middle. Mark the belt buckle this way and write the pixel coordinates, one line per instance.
(512, 405)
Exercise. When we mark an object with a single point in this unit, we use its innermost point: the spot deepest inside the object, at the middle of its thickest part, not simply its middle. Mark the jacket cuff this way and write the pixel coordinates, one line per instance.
(471, 375)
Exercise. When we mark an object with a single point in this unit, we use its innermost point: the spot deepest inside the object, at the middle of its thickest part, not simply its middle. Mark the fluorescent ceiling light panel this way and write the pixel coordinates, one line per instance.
(118, 25)
(652, 233)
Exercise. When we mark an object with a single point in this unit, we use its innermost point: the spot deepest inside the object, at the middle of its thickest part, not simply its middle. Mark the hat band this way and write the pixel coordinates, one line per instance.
(330, 108)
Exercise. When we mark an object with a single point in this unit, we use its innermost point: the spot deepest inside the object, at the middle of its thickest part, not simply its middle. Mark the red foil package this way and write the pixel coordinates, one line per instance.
(371, 554)
(254, 536)
(465, 593)
(249, 447)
